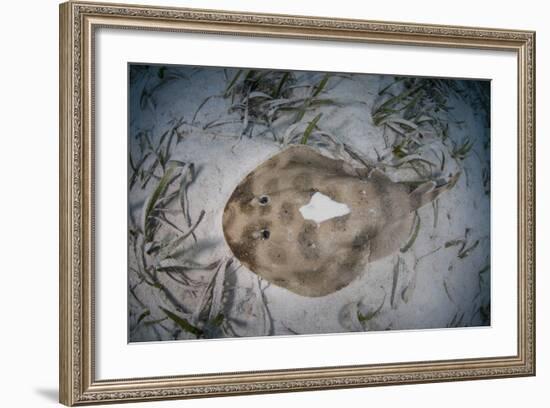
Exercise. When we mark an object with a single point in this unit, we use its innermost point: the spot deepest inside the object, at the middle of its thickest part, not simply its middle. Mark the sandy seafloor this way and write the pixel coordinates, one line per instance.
(427, 286)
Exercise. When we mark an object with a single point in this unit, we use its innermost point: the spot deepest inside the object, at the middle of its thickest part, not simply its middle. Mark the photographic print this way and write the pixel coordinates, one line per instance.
(269, 202)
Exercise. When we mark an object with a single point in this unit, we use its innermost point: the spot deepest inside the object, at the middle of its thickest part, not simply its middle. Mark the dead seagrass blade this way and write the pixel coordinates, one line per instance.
(309, 223)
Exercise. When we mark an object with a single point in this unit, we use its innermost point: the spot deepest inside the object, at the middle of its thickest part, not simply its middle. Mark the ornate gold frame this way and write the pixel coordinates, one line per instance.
(78, 22)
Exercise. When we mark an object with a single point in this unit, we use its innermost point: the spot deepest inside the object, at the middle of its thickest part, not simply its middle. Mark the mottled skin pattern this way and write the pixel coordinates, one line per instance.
(267, 233)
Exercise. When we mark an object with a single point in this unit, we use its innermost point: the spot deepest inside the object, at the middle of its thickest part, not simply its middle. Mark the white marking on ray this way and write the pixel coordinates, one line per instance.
(321, 208)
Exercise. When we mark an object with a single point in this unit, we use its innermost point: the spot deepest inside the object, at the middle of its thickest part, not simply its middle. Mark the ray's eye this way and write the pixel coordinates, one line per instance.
(263, 200)
(265, 233)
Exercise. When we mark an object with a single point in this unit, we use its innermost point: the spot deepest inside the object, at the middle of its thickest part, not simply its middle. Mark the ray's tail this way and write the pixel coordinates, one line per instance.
(427, 192)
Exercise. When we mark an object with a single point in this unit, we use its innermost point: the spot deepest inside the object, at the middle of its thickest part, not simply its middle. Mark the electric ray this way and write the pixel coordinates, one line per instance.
(310, 223)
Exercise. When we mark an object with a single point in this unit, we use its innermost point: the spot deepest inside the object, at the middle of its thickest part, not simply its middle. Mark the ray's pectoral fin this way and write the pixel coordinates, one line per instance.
(427, 192)
(390, 238)
(377, 175)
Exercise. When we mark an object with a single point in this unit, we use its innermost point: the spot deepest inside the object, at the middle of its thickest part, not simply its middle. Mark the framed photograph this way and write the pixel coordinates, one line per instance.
(256, 203)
